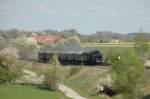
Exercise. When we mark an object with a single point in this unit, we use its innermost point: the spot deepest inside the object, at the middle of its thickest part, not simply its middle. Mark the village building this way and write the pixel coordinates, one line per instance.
(47, 38)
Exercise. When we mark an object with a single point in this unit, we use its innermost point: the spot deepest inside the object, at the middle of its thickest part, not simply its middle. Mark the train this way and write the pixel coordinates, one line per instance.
(72, 56)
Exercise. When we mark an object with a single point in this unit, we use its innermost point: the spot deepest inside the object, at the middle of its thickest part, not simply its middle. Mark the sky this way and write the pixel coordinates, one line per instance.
(87, 16)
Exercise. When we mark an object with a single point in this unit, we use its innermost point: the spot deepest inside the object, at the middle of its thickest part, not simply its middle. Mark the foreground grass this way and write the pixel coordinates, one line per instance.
(28, 92)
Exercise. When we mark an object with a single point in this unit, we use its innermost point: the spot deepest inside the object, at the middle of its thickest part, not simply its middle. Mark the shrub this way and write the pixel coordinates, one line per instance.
(53, 76)
(127, 74)
(60, 43)
(9, 70)
(73, 40)
(8, 57)
(54, 60)
(27, 47)
(104, 80)
(110, 54)
(8, 76)
(47, 45)
(141, 45)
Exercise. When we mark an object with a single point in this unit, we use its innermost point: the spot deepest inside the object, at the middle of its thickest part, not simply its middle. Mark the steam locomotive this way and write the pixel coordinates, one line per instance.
(72, 56)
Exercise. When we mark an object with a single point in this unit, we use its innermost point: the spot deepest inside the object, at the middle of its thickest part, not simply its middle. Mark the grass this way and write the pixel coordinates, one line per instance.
(83, 81)
(108, 44)
(105, 47)
(104, 50)
(28, 92)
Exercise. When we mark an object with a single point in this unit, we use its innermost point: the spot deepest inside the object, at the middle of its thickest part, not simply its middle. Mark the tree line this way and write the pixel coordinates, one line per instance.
(97, 37)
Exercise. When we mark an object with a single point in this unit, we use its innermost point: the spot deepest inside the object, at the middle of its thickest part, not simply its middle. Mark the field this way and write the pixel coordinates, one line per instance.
(28, 92)
(108, 44)
(108, 47)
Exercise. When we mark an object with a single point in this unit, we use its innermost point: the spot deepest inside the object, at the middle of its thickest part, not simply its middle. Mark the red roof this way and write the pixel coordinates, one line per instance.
(47, 38)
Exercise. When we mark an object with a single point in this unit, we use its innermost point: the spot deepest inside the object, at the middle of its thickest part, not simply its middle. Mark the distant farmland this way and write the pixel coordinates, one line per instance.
(106, 47)
(108, 44)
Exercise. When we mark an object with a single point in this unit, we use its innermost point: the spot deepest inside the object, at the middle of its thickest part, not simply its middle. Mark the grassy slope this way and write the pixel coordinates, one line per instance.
(28, 92)
(82, 81)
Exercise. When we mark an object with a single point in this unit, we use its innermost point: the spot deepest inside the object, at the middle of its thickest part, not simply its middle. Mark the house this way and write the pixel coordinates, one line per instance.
(115, 41)
(47, 38)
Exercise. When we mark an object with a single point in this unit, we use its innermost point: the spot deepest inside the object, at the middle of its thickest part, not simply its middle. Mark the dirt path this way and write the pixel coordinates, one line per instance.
(69, 92)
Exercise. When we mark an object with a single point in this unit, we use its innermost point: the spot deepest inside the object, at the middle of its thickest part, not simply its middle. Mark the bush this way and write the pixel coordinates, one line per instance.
(53, 76)
(104, 80)
(47, 45)
(54, 60)
(7, 76)
(141, 45)
(9, 70)
(8, 57)
(73, 40)
(27, 47)
(127, 74)
(110, 54)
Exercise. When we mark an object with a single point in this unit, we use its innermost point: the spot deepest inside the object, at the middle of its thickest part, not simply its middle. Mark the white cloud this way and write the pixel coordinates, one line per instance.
(4, 10)
(3, 5)
(42, 6)
(45, 9)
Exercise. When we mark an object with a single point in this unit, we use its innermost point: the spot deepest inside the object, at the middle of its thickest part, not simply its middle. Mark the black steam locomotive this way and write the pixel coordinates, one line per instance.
(72, 55)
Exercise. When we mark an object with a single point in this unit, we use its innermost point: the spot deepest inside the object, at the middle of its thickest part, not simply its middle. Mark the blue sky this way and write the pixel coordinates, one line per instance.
(87, 16)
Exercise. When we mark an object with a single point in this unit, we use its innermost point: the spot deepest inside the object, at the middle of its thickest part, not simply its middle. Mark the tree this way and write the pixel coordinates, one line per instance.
(3, 42)
(69, 32)
(60, 44)
(50, 31)
(47, 45)
(141, 44)
(54, 60)
(53, 76)
(26, 46)
(91, 39)
(73, 40)
(127, 72)
(110, 53)
(8, 65)
(8, 57)
(13, 34)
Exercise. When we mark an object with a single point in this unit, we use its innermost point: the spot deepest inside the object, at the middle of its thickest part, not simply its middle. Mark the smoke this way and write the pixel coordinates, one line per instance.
(69, 48)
